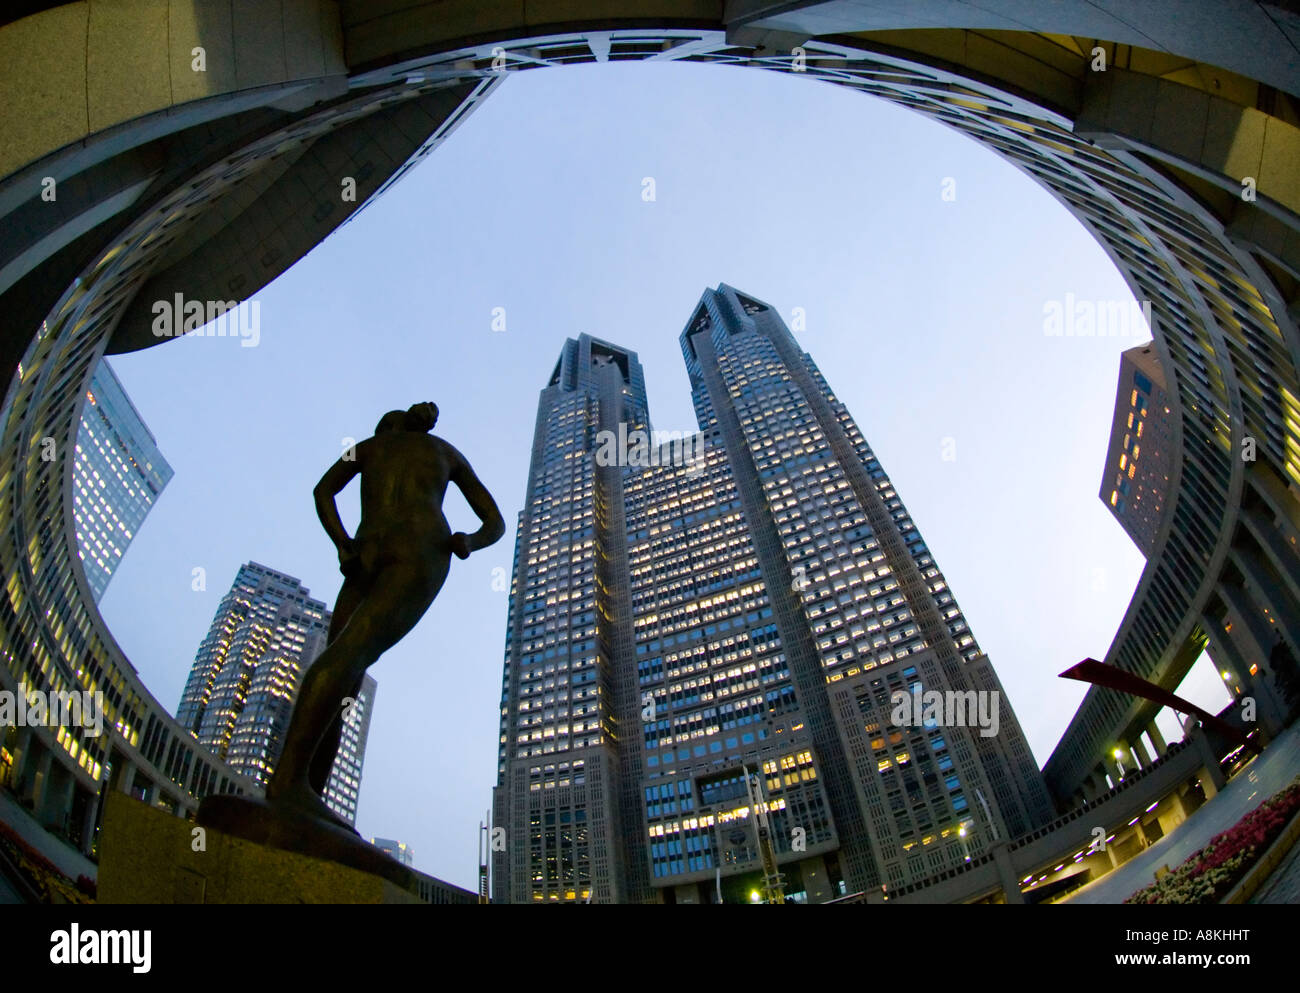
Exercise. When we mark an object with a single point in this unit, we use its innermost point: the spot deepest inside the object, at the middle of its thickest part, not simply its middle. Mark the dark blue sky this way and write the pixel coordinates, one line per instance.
(925, 315)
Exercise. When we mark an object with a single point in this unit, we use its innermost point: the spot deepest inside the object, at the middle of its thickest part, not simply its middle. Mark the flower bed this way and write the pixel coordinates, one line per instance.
(1211, 873)
(41, 874)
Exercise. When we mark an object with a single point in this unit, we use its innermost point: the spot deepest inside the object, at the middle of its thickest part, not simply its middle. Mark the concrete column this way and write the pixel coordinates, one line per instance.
(1087, 790)
(22, 746)
(1007, 875)
(1140, 750)
(88, 823)
(126, 777)
(1126, 753)
(1112, 768)
(1157, 739)
(1140, 830)
(62, 812)
(1211, 776)
(41, 781)
(1208, 785)
(191, 777)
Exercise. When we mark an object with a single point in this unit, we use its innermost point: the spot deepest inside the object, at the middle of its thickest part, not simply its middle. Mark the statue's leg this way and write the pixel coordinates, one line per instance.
(399, 595)
(350, 596)
(352, 593)
(322, 763)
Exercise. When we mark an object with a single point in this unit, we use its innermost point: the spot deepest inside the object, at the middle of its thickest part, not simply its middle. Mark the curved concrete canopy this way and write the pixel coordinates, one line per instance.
(211, 182)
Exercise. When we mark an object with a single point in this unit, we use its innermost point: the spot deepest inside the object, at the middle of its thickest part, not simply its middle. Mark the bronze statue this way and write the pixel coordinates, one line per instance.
(393, 569)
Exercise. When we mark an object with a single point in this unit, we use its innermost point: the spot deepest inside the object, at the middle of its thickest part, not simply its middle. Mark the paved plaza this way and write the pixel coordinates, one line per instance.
(1263, 777)
(1283, 885)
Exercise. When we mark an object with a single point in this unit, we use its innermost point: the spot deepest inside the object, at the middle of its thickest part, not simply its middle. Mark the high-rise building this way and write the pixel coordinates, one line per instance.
(344, 784)
(116, 478)
(244, 681)
(1140, 456)
(398, 850)
(241, 688)
(707, 629)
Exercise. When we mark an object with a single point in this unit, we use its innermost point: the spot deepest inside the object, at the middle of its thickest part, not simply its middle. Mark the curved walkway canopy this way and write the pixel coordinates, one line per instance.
(157, 147)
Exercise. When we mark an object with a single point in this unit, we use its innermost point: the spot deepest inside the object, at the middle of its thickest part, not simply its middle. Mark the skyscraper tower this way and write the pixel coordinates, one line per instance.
(343, 787)
(240, 693)
(732, 626)
(1140, 456)
(569, 630)
(864, 614)
(116, 478)
(398, 850)
(244, 681)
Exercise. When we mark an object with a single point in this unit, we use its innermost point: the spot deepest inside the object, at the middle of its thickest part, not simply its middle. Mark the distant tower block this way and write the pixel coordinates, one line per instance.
(398, 850)
(118, 475)
(1140, 457)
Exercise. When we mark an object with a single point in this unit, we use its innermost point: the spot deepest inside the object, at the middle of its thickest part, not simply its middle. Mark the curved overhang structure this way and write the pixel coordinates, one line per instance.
(1172, 132)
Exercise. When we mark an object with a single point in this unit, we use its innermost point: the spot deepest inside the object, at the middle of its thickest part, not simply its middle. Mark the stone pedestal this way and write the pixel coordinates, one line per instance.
(148, 856)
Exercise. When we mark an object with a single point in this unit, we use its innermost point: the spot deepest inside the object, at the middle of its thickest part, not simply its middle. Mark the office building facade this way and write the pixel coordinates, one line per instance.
(725, 628)
(398, 850)
(117, 477)
(343, 788)
(1140, 456)
(241, 690)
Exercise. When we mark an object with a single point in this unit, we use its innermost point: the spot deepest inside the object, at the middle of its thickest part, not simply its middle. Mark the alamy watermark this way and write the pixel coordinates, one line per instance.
(91, 946)
(650, 448)
(1071, 318)
(946, 708)
(40, 708)
(218, 318)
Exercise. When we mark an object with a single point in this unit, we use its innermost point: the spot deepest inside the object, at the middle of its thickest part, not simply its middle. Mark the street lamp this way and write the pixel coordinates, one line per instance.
(965, 848)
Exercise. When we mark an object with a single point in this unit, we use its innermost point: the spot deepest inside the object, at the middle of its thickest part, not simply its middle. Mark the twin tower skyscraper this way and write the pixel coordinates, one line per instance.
(747, 622)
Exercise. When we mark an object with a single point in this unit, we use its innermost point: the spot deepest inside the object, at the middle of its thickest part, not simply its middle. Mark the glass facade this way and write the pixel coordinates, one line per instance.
(697, 642)
(1140, 457)
(244, 681)
(558, 710)
(343, 788)
(117, 476)
(398, 850)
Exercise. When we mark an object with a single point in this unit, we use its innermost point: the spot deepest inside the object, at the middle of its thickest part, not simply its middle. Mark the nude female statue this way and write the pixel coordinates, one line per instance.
(393, 568)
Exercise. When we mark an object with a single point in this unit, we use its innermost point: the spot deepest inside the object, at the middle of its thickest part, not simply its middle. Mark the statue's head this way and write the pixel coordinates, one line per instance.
(419, 417)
